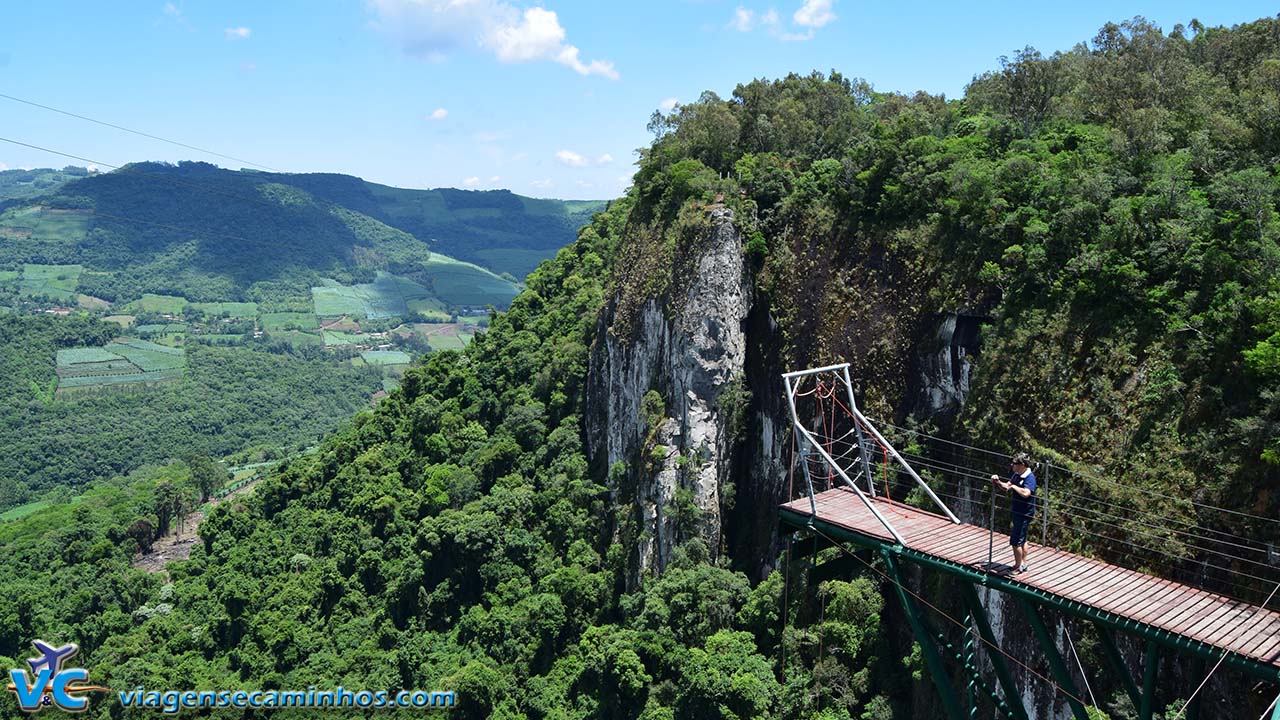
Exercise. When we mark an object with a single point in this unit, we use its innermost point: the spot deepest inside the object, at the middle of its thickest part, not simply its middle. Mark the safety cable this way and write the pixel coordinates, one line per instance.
(1057, 493)
(1090, 476)
(1224, 657)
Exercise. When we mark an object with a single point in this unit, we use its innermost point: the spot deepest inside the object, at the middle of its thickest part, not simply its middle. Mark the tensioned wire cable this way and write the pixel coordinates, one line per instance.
(1089, 476)
(1058, 504)
(924, 462)
(1131, 531)
(958, 470)
(156, 176)
(136, 132)
(1225, 577)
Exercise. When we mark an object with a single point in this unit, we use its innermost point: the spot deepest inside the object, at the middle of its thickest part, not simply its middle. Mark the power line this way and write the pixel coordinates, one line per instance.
(136, 132)
(156, 176)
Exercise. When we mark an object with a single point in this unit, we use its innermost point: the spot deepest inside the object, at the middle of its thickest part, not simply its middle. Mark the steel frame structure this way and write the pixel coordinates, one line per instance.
(810, 444)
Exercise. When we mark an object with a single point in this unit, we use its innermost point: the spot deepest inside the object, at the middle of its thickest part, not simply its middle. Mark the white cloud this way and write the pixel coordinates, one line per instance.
(625, 179)
(491, 137)
(438, 114)
(495, 179)
(571, 158)
(814, 14)
(434, 28)
(3, 167)
(238, 33)
(585, 184)
(604, 159)
(541, 184)
(746, 20)
(471, 181)
(668, 104)
(174, 13)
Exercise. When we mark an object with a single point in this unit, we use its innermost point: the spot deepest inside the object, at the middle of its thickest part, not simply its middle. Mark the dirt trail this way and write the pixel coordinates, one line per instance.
(174, 546)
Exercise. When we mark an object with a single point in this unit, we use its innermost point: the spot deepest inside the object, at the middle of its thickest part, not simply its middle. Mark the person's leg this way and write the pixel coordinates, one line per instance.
(1018, 539)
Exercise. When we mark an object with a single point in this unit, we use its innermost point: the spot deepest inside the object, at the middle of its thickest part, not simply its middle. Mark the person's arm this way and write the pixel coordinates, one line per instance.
(1021, 491)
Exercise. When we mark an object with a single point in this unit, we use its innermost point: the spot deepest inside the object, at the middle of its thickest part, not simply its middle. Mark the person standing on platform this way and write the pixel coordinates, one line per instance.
(1021, 487)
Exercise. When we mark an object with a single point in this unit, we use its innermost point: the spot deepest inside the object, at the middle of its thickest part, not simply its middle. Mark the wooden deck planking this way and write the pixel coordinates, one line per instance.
(1213, 619)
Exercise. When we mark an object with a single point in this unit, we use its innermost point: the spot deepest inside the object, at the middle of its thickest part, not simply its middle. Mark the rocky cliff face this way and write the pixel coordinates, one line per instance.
(671, 460)
(944, 365)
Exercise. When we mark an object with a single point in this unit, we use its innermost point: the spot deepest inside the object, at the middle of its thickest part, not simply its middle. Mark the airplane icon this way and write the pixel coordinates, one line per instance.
(51, 657)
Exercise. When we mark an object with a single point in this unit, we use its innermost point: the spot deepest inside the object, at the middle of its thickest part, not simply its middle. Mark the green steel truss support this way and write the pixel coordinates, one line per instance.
(924, 639)
(976, 682)
(971, 667)
(1059, 668)
(1149, 681)
(1178, 643)
(1008, 703)
(979, 613)
(1117, 663)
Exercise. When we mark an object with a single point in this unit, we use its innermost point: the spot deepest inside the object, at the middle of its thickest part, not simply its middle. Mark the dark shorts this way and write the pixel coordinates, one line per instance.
(1018, 535)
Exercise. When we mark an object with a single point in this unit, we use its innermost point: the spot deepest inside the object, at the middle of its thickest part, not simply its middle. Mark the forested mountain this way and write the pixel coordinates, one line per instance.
(505, 526)
(496, 229)
(210, 234)
(15, 184)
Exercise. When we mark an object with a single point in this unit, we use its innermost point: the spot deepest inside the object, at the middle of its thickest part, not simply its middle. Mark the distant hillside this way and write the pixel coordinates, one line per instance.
(496, 229)
(208, 234)
(19, 184)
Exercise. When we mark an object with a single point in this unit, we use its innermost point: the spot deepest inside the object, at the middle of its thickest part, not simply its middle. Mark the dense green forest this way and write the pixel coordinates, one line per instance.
(231, 398)
(1112, 209)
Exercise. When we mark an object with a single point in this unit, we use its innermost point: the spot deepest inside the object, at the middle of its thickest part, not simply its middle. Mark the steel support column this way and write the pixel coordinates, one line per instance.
(1149, 681)
(927, 648)
(1117, 663)
(1011, 695)
(1056, 664)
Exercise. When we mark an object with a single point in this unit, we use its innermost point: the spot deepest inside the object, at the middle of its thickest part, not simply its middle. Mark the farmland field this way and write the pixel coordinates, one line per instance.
(168, 304)
(383, 298)
(297, 338)
(461, 283)
(45, 224)
(231, 309)
(453, 283)
(386, 357)
(448, 342)
(286, 320)
(334, 338)
(57, 281)
(120, 362)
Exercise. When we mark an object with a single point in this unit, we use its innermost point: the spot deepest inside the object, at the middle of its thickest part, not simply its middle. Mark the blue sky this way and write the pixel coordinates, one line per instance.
(545, 99)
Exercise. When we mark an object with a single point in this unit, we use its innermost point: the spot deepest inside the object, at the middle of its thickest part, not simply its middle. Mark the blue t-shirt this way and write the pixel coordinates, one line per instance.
(1023, 507)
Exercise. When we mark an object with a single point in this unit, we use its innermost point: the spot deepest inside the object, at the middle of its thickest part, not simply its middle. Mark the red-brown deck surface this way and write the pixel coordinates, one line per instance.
(1217, 620)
